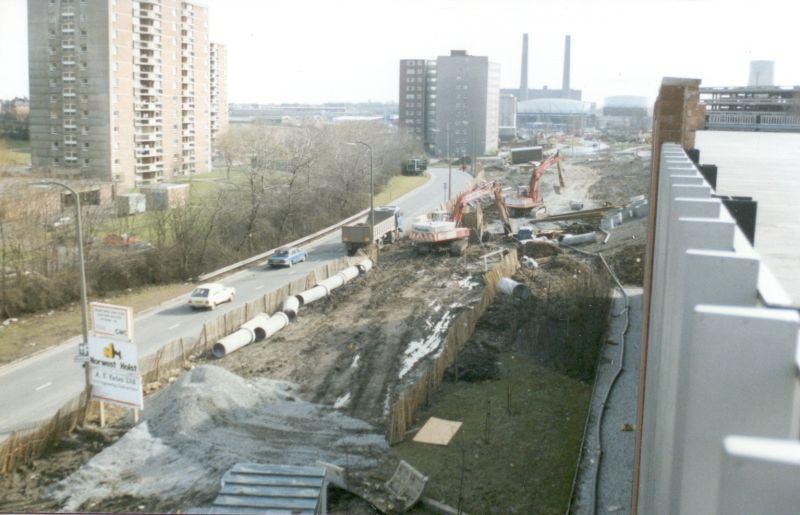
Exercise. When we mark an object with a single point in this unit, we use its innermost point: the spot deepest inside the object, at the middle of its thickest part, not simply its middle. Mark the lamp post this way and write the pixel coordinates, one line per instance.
(449, 165)
(81, 266)
(371, 191)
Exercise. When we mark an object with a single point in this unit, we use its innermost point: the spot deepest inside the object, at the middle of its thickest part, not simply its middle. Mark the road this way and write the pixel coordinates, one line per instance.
(33, 389)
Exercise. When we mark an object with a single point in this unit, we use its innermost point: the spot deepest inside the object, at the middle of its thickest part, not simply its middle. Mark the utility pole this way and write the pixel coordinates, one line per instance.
(82, 268)
(449, 167)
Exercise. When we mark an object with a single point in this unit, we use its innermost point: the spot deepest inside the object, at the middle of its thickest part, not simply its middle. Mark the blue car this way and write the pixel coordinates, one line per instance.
(287, 257)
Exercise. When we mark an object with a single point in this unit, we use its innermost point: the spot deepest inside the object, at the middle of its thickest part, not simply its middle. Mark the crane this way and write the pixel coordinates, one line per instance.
(443, 230)
(531, 198)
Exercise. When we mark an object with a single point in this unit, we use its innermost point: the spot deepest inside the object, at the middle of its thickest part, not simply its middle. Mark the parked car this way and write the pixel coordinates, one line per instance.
(210, 295)
(287, 257)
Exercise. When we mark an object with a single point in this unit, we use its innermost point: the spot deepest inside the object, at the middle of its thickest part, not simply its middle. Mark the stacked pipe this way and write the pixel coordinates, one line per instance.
(262, 326)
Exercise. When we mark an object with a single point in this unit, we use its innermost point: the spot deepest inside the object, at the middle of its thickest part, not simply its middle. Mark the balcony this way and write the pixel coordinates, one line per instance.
(68, 47)
(67, 78)
(68, 30)
(149, 152)
(69, 94)
(70, 126)
(69, 111)
(68, 62)
(147, 136)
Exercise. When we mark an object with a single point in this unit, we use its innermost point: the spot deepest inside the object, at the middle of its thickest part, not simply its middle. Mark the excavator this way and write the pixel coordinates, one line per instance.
(527, 200)
(445, 231)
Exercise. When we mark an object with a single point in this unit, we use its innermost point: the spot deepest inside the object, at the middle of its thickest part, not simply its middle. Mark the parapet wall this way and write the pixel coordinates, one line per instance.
(721, 391)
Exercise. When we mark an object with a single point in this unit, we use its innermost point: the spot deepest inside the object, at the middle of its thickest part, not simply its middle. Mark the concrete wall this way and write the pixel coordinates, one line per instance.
(720, 362)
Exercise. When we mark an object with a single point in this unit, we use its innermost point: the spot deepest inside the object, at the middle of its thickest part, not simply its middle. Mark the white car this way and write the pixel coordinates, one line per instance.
(210, 295)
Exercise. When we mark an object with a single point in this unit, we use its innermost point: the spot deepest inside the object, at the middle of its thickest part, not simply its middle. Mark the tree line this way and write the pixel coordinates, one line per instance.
(278, 184)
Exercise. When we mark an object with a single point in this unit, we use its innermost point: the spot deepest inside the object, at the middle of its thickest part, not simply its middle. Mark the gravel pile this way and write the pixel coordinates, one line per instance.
(209, 419)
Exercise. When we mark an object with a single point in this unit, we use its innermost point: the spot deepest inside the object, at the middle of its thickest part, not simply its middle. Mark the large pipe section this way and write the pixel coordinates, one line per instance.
(365, 266)
(578, 239)
(511, 287)
(258, 328)
(263, 326)
(290, 307)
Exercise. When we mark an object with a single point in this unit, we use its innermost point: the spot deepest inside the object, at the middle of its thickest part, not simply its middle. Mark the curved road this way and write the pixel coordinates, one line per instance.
(33, 389)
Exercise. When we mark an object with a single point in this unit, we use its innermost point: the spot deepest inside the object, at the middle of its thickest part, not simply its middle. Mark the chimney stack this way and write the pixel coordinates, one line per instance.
(523, 78)
(565, 81)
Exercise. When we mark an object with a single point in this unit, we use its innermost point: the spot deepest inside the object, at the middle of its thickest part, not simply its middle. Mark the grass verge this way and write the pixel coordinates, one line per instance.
(528, 462)
(36, 332)
(398, 186)
(15, 152)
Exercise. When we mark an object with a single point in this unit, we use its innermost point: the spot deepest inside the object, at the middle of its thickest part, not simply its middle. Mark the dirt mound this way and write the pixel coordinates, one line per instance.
(201, 425)
(539, 249)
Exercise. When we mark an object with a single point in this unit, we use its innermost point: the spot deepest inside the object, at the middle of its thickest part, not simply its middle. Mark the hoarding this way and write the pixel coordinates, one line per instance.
(114, 371)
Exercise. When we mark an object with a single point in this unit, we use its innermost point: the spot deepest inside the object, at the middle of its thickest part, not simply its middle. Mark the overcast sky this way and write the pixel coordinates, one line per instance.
(348, 50)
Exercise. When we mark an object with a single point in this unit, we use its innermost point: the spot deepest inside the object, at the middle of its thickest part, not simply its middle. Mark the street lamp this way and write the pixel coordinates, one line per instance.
(371, 191)
(79, 231)
(449, 164)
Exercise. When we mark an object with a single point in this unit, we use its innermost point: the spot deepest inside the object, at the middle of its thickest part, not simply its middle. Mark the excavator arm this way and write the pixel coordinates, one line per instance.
(501, 207)
(533, 188)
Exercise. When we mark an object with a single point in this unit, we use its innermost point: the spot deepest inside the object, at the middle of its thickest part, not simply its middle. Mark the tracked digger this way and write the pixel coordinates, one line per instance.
(445, 231)
(529, 199)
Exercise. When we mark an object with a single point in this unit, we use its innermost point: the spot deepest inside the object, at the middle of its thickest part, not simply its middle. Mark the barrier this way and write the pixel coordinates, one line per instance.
(401, 414)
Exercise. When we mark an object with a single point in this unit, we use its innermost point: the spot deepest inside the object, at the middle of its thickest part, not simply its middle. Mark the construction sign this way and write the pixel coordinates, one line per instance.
(114, 372)
(112, 321)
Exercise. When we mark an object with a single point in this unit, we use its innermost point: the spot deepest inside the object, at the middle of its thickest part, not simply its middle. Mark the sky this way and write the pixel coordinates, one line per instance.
(348, 50)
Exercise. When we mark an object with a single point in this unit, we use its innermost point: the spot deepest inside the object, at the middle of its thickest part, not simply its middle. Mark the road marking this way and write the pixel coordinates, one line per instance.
(259, 287)
(170, 328)
(45, 385)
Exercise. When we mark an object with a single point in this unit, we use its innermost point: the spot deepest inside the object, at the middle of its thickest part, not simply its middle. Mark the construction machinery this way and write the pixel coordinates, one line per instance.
(530, 198)
(388, 225)
(443, 230)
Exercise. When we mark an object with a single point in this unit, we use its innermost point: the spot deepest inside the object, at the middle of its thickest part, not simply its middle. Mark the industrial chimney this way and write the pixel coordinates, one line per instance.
(565, 81)
(761, 73)
(523, 77)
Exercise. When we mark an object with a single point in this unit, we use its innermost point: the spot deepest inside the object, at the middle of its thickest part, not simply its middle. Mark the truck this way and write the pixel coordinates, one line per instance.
(388, 226)
(415, 166)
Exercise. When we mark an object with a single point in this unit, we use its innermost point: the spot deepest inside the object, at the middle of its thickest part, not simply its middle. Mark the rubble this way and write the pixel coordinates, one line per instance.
(203, 423)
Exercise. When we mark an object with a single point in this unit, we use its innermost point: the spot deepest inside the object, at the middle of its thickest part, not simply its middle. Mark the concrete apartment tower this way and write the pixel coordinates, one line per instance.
(468, 103)
(120, 89)
(219, 90)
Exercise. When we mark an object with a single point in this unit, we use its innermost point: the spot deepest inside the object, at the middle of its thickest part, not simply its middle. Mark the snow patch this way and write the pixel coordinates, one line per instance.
(419, 349)
(354, 364)
(469, 283)
(342, 401)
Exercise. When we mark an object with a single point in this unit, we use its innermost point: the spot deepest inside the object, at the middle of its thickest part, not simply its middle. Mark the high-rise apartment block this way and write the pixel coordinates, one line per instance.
(456, 96)
(121, 90)
(219, 90)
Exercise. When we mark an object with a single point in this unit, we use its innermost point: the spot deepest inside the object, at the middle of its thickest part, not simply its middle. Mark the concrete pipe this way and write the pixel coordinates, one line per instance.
(578, 239)
(511, 287)
(290, 307)
(232, 342)
(332, 282)
(349, 273)
(309, 296)
(365, 266)
(275, 323)
(256, 324)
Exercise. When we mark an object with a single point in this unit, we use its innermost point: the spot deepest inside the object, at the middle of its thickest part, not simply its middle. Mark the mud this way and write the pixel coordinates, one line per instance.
(359, 348)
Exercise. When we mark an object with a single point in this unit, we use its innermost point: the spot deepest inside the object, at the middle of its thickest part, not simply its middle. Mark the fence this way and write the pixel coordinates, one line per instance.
(401, 414)
(27, 444)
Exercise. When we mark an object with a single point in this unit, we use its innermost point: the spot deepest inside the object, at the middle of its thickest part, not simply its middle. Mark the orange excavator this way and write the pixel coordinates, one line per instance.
(530, 198)
(444, 231)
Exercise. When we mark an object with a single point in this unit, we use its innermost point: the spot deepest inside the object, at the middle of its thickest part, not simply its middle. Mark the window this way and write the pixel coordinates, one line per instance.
(83, 48)
(86, 146)
(85, 113)
(55, 145)
(84, 130)
(86, 161)
(54, 115)
(53, 99)
(55, 160)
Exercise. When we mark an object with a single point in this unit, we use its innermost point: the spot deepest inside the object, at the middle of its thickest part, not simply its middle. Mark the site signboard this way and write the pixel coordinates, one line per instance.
(112, 321)
(114, 371)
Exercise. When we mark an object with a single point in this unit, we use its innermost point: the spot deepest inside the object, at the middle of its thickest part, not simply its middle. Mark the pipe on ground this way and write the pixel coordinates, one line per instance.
(365, 266)
(349, 273)
(311, 295)
(256, 325)
(232, 342)
(511, 287)
(257, 328)
(332, 282)
(290, 306)
(578, 239)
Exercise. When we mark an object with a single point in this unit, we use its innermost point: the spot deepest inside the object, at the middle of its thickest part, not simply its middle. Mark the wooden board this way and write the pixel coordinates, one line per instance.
(437, 431)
